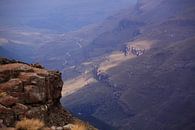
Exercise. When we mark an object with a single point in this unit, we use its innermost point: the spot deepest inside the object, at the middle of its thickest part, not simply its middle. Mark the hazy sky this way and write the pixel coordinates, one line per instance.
(60, 15)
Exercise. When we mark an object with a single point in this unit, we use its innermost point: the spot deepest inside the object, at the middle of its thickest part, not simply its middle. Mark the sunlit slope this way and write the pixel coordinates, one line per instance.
(152, 89)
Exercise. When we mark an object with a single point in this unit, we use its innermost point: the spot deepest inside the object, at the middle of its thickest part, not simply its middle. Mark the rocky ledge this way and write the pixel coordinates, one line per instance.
(30, 91)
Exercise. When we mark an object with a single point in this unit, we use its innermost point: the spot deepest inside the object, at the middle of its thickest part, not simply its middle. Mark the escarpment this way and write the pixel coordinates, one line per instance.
(30, 91)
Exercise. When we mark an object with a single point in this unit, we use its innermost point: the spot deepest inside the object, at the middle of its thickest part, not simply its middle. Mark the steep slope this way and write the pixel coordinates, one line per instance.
(160, 90)
(142, 71)
(30, 91)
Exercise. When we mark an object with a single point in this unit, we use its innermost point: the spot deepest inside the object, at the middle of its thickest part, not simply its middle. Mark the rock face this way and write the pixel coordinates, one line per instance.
(30, 91)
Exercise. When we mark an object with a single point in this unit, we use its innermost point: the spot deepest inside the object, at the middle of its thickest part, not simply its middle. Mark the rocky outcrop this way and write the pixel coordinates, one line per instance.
(133, 50)
(30, 91)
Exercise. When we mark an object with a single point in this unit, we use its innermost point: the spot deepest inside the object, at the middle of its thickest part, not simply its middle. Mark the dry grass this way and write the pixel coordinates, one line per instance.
(29, 124)
(79, 126)
(73, 85)
(3, 94)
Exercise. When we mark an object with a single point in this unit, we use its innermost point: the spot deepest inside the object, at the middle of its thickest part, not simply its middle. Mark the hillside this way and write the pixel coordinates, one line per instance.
(139, 73)
(34, 24)
(133, 71)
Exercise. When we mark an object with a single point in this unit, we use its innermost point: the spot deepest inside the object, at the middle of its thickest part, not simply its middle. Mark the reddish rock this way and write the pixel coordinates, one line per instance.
(5, 110)
(12, 85)
(20, 108)
(8, 100)
(10, 128)
(7, 115)
(30, 91)
(10, 71)
(20, 95)
(36, 65)
(47, 128)
(35, 94)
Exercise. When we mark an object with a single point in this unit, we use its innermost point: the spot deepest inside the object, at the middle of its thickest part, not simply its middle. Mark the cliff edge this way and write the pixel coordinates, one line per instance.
(30, 91)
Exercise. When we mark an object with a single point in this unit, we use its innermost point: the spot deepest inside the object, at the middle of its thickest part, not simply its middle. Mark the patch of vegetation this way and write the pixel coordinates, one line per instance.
(78, 125)
(29, 124)
(3, 94)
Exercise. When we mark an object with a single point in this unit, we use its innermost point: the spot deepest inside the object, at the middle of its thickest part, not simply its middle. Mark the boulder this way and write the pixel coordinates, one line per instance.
(8, 101)
(30, 91)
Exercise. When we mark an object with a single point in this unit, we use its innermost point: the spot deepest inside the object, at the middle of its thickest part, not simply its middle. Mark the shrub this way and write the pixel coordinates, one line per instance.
(29, 124)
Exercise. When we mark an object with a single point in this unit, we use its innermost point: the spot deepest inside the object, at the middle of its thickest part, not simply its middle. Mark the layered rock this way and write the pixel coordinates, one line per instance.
(30, 91)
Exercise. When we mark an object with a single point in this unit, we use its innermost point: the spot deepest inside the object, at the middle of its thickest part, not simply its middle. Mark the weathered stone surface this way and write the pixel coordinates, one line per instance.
(30, 91)
(12, 85)
(20, 108)
(8, 100)
(36, 65)
(35, 94)
(5, 110)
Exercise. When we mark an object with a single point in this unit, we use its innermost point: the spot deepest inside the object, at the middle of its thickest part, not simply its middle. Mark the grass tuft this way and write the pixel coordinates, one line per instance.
(29, 124)
(3, 94)
(79, 126)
